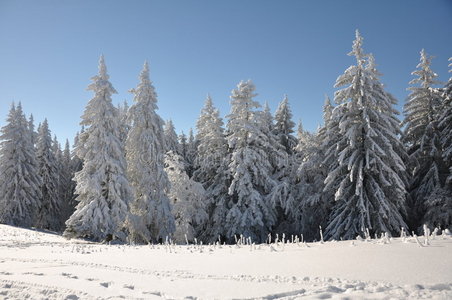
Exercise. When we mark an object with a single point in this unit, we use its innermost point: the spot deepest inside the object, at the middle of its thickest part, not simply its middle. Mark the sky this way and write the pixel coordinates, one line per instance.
(49, 50)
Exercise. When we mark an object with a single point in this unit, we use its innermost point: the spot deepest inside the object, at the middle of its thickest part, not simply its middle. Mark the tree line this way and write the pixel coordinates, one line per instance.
(130, 177)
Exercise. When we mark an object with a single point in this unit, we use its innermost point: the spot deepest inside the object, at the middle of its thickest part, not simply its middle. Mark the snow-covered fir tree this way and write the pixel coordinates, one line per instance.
(183, 145)
(212, 146)
(314, 204)
(422, 140)
(124, 124)
(187, 199)
(151, 218)
(192, 145)
(251, 213)
(280, 170)
(211, 169)
(20, 182)
(171, 139)
(284, 126)
(48, 216)
(31, 126)
(439, 203)
(310, 208)
(369, 185)
(445, 124)
(103, 191)
(67, 185)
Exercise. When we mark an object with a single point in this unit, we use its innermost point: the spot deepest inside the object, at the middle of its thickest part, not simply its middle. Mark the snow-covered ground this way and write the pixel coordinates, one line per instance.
(38, 265)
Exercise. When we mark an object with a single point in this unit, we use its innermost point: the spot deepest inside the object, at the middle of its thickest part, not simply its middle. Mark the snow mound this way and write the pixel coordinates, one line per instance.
(38, 265)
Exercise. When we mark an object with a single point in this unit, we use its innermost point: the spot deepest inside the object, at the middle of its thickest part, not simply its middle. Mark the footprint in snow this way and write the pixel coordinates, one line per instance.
(105, 284)
(130, 287)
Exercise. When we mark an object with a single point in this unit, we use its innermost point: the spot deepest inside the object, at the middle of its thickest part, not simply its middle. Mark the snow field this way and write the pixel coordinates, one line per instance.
(40, 265)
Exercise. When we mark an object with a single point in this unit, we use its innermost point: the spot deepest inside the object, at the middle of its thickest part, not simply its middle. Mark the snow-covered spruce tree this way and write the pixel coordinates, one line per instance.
(281, 165)
(19, 178)
(211, 169)
(284, 126)
(192, 145)
(102, 189)
(124, 124)
(439, 203)
(183, 145)
(311, 208)
(250, 213)
(212, 147)
(171, 140)
(151, 217)
(31, 126)
(67, 186)
(445, 125)
(422, 139)
(187, 199)
(48, 216)
(369, 185)
(77, 162)
(285, 176)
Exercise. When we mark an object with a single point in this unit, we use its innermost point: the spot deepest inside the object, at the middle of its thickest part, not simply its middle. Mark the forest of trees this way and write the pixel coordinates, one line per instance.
(129, 177)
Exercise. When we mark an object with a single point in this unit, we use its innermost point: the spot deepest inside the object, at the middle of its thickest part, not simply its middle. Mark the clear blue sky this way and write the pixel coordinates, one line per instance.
(49, 51)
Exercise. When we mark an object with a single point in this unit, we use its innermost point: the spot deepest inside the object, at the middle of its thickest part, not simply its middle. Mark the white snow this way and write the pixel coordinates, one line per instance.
(40, 265)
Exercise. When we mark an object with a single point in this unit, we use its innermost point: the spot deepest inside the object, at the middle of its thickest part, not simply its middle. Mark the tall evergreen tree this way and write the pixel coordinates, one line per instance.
(192, 145)
(49, 214)
(250, 213)
(124, 123)
(102, 188)
(284, 126)
(445, 125)
(183, 145)
(421, 137)
(187, 197)
(145, 148)
(66, 183)
(211, 169)
(369, 185)
(19, 177)
(314, 204)
(439, 203)
(280, 169)
(171, 142)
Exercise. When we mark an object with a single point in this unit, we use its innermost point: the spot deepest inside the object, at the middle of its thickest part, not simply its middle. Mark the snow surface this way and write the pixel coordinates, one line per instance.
(41, 265)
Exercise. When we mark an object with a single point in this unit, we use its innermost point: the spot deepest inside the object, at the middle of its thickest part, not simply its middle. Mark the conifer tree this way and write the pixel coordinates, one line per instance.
(49, 214)
(250, 213)
(445, 125)
(67, 184)
(19, 177)
(124, 124)
(171, 140)
(183, 145)
(439, 203)
(102, 189)
(369, 185)
(192, 145)
(421, 137)
(279, 159)
(284, 126)
(187, 198)
(211, 169)
(145, 148)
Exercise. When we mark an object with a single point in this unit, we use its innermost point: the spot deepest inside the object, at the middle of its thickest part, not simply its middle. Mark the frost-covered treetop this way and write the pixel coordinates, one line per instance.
(426, 77)
(245, 92)
(357, 49)
(145, 91)
(100, 84)
(327, 109)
